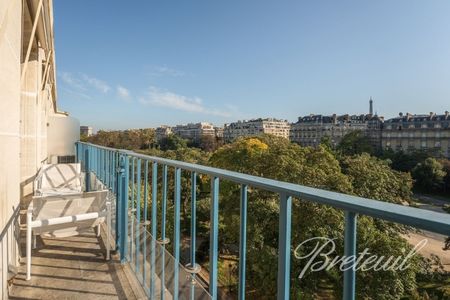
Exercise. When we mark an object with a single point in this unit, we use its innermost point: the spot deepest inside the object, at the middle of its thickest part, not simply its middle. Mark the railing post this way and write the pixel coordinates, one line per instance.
(192, 267)
(116, 190)
(213, 240)
(193, 216)
(284, 247)
(350, 251)
(242, 242)
(176, 230)
(87, 169)
(144, 275)
(123, 210)
(154, 226)
(163, 230)
(138, 213)
(132, 217)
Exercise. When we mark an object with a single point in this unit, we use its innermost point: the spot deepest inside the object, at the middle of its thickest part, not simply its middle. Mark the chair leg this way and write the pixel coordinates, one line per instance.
(29, 233)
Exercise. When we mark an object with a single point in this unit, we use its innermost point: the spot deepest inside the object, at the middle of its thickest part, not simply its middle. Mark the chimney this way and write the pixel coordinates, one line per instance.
(446, 114)
(371, 106)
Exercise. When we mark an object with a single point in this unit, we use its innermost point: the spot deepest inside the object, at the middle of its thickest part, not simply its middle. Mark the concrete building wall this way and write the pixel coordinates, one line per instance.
(28, 102)
(10, 48)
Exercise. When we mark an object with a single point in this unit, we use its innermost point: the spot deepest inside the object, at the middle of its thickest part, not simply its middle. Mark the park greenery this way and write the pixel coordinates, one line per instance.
(353, 167)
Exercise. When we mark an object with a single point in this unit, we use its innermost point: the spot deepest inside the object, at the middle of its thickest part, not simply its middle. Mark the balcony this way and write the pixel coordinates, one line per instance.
(148, 240)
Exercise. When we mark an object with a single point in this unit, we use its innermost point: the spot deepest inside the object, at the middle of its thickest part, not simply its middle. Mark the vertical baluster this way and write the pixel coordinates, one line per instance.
(115, 155)
(193, 216)
(111, 169)
(104, 166)
(284, 247)
(243, 242)
(123, 211)
(349, 251)
(100, 154)
(138, 213)
(144, 251)
(96, 161)
(107, 169)
(193, 268)
(132, 209)
(116, 175)
(163, 231)
(87, 171)
(214, 232)
(99, 163)
(154, 226)
(176, 230)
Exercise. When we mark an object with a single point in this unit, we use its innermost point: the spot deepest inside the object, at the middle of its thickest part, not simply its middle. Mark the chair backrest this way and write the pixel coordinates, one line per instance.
(53, 176)
(54, 206)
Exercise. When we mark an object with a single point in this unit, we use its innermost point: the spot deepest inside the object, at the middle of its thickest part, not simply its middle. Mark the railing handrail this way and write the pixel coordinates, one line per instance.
(411, 216)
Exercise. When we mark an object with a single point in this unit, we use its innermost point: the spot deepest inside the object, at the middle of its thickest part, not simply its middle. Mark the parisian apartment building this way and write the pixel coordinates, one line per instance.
(408, 132)
(253, 127)
(311, 130)
(191, 131)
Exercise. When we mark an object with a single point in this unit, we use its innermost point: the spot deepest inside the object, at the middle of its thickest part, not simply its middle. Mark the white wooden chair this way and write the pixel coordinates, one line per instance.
(58, 179)
(67, 215)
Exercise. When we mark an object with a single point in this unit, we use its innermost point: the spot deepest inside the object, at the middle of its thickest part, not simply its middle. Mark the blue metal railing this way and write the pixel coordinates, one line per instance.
(112, 166)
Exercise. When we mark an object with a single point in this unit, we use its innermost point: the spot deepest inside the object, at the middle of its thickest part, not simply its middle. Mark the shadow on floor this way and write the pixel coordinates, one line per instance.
(72, 268)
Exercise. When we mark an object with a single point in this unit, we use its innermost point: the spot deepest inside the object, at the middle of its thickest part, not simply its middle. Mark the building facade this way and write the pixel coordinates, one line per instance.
(410, 133)
(162, 132)
(30, 122)
(256, 127)
(191, 131)
(311, 130)
(86, 131)
(194, 131)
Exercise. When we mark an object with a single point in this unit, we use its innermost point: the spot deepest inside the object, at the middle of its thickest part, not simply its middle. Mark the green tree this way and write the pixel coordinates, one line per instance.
(355, 142)
(128, 139)
(429, 175)
(172, 142)
(404, 162)
(210, 143)
(446, 167)
(372, 177)
(279, 159)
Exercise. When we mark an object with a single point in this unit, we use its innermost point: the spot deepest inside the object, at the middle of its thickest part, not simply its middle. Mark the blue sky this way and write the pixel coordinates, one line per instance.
(139, 64)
